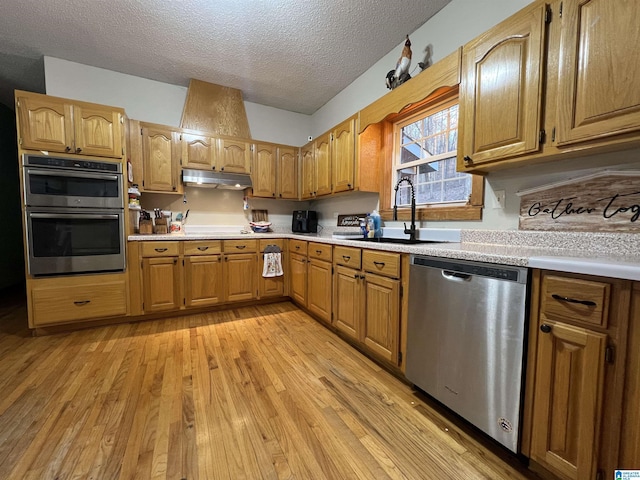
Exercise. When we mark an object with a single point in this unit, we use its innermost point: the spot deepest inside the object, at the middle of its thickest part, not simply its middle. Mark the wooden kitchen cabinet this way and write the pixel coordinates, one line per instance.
(382, 316)
(575, 373)
(501, 90)
(203, 276)
(319, 280)
(322, 156)
(348, 293)
(298, 281)
(162, 284)
(343, 154)
(161, 159)
(308, 172)
(234, 156)
(598, 70)
(270, 286)
(198, 151)
(287, 172)
(263, 175)
(59, 125)
(239, 270)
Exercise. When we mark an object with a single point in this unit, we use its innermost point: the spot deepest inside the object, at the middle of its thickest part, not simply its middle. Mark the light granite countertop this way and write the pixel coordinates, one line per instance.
(609, 255)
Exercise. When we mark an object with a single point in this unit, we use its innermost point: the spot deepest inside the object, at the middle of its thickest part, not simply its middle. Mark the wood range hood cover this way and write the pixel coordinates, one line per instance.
(215, 109)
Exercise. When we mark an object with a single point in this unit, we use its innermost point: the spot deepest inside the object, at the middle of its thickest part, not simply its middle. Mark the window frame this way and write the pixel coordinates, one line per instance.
(469, 210)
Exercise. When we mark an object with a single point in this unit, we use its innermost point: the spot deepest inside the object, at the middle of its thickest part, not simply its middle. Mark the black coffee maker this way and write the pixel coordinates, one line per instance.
(304, 221)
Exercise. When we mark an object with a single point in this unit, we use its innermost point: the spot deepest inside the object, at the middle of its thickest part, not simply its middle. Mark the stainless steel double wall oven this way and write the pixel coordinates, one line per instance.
(74, 215)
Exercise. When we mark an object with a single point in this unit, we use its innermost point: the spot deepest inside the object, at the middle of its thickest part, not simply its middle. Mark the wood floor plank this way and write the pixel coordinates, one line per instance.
(261, 392)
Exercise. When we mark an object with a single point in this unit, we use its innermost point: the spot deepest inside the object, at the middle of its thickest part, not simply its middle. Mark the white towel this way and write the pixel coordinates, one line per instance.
(272, 265)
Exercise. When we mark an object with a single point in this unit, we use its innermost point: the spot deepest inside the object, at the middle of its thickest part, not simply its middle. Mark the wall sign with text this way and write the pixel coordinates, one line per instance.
(607, 201)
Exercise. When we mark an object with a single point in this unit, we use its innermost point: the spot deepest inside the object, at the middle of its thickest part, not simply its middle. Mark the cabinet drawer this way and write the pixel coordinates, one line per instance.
(206, 247)
(584, 301)
(160, 249)
(264, 242)
(348, 256)
(382, 263)
(66, 304)
(321, 251)
(298, 246)
(240, 246)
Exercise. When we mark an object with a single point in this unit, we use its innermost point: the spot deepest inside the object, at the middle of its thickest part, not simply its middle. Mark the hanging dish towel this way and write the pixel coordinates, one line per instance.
(272, 265)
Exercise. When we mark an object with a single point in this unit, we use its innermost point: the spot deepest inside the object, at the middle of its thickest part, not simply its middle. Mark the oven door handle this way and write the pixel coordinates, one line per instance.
(81, 216)
(72, 174)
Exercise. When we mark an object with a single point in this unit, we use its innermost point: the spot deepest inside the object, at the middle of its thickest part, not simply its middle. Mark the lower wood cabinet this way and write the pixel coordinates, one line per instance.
(77, 298)
(381, 331)
(270, 286)
(203, 280)
(239, 272)
(162, 281)
(576, 374)
(348, 301)
(298, 278)
(319, 281)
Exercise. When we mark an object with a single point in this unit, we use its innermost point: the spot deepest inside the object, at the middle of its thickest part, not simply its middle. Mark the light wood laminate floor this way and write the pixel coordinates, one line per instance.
(250, 393)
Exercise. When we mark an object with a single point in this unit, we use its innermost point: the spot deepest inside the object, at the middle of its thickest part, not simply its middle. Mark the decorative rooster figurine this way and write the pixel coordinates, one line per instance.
(401, 73)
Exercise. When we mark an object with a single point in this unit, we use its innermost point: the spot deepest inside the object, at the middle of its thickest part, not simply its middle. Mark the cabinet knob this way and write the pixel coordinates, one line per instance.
(468, 160)
(348, 185)
(67, 148)
(213, 168)
(274, 194)
(280, 195)
(544, 328)
(78, 150)
(221, 169)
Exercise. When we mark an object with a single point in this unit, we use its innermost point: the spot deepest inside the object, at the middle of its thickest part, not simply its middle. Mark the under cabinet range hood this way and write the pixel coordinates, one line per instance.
(206, 178)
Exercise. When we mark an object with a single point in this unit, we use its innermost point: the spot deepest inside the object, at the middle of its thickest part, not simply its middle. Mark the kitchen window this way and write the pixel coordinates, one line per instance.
(425, 142)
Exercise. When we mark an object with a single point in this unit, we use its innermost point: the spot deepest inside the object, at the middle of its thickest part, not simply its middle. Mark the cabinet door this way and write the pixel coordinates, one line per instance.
(160, 158)
(197, 151)
(263, 174)
(98, 131)
(319, 289)
(308, 172)
(599, 69)
(161, 284)
(269, 286)
(45, 124)
(239, 277)
(202, 280)
(501, 90)
(323, 165)
(298, 286)
(343, 153)
(287, 173)
(234, 156)
(567, 403)
(382, 316)
(347, 301)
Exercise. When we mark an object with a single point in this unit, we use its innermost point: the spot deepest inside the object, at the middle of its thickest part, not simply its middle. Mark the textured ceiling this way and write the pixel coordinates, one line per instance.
(290, 54)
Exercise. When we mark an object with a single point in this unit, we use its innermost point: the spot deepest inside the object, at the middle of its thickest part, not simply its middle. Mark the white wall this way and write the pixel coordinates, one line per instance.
(157, 102)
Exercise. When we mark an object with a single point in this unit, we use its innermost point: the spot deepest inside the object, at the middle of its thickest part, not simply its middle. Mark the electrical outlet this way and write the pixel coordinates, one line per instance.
(499, 199)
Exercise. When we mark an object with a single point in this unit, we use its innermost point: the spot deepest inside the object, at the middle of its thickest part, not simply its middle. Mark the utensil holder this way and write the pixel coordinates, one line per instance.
(161, 226)
(146, 227)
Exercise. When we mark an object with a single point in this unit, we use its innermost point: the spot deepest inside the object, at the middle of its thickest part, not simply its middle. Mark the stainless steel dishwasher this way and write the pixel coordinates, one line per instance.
(465, 340)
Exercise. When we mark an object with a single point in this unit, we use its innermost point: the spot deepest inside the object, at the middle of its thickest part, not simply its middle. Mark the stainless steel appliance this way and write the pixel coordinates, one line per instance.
(304, 221)
(465, 340)
(74, 215)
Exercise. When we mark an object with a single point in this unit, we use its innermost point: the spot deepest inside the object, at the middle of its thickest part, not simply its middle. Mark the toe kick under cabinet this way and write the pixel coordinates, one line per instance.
(581, 403)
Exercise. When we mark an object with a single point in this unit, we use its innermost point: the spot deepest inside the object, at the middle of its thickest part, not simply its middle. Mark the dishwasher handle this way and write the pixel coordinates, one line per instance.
(456, 276)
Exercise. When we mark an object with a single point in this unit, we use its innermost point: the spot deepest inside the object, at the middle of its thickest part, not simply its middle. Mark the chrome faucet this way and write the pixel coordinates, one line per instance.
(411, 231)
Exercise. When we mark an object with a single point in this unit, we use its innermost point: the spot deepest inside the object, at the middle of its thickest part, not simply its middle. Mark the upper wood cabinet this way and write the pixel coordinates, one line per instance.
(501, 90)
(59, 125)
(234, 156)
(263, 175)
(198, 151)
(308, 171)
(287, 172)
(322, 154)
(598, 71)
(343, 153)
(161, 159)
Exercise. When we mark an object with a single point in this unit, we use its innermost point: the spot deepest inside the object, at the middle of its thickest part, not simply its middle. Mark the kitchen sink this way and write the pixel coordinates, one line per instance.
(405, 241)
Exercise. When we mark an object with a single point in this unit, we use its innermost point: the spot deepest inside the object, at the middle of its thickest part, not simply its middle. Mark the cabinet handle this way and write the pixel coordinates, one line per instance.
(203, 249)
(274, 194)
(175, 261)
(297, 247)
(560, 298)
(160, 250)
(348, 185)
(379, 264)
(318, 252)
(346, 258)
(362, 277)
(67, 148)
(280, 195)
(213, 168)
(81, 303)
(78, 150)
(240, 247)
(174, 187)
(222, 169)
(544, 328)
(468, 160)
(356, 276)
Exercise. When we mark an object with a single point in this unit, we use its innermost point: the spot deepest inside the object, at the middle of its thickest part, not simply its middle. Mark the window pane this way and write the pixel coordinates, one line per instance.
(457, 190)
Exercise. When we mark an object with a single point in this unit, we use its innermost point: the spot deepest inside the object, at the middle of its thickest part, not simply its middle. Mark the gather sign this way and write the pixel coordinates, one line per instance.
(607, 201)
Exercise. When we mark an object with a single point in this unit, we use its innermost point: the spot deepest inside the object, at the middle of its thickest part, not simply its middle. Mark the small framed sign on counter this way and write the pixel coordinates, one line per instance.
(607, 201)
